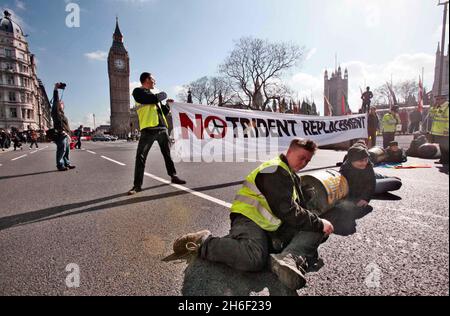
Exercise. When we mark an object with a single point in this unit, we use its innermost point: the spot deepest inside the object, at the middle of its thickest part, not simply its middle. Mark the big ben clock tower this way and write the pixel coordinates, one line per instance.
(119, 85)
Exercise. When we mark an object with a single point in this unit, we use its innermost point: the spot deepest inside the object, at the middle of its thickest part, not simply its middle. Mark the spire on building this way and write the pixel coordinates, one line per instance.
(118, 37)
(326, 74)
(438, 48)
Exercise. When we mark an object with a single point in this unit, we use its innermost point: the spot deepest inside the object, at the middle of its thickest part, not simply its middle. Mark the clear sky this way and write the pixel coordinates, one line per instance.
(182, 40)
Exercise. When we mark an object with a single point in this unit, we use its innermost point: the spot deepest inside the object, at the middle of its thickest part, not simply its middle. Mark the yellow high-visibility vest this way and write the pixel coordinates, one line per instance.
(251, 203)
(148, 115)
(389, 123)
(439, 126)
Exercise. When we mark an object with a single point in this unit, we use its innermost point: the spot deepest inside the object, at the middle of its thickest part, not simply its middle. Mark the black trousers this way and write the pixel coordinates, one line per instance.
(443, 142)
(148, 137)
(78, 144)
(387, 138)
(247, 246)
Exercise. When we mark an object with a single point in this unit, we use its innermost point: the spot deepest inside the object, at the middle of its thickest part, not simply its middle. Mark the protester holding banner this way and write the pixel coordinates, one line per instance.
(269, 224)
(153, 123)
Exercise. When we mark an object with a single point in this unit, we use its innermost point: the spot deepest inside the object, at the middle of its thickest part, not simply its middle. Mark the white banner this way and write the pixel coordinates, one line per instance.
(207, 133)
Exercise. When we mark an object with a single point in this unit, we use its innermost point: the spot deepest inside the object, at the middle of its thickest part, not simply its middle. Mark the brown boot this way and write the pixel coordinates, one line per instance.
(289, 270)
(188, 245)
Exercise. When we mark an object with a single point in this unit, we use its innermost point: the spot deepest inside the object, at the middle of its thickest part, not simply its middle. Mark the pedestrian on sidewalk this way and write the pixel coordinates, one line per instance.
(269, 223)
(152, 116)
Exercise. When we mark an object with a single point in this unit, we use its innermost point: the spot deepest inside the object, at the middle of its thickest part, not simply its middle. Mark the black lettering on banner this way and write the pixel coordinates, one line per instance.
(306, 128)
(292, 123)
(233, 120)
(314, 127)
(271, 126)
(260, 122)
(246, 126)
(283, 129)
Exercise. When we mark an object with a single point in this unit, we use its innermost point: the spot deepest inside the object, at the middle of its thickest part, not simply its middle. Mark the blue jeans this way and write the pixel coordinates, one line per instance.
(62, 152)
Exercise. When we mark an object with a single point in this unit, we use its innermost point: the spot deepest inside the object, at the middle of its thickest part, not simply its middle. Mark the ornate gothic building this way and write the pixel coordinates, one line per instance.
(119, 85)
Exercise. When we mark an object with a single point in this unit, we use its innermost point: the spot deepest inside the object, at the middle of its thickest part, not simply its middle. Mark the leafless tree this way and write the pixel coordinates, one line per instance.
(407, 88)
(207, 90)
(255, 65)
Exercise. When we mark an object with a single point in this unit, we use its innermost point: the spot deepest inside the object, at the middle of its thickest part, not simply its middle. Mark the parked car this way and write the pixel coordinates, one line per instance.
(101, 138)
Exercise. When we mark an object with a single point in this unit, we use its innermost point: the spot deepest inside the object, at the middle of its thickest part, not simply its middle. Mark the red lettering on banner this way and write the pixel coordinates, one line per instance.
(218, 131)
(186, 123)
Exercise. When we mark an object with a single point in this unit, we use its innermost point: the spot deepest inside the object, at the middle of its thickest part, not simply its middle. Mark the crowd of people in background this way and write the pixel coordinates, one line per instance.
(18, 139)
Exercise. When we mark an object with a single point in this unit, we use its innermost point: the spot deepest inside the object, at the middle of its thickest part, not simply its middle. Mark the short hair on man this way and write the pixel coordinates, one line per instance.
(145, 76)
(306, 144)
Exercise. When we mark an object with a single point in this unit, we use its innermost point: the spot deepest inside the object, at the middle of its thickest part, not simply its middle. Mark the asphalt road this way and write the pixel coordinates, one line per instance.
(51, 219)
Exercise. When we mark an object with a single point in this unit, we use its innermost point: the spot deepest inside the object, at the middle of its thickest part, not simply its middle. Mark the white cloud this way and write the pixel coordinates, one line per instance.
(97, 55)
(403, 67)
(20, 5)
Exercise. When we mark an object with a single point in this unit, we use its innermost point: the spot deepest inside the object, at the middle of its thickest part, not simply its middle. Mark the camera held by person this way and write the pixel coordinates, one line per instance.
(60, 85)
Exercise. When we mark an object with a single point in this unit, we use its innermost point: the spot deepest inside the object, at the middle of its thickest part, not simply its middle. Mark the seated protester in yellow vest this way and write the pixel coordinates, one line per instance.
(362, 180)
(153, 124)
(395, 154)
(269, 224)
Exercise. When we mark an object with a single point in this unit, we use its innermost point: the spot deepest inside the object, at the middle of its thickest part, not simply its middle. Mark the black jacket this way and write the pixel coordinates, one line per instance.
(277, 188)
(398, 156)
(361, 182)
(60, 121)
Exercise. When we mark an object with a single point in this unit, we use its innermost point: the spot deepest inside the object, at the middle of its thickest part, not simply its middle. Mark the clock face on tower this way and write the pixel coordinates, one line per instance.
(119, 64)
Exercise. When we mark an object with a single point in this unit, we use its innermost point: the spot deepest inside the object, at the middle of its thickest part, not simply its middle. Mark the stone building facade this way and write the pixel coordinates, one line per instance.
(23, 99)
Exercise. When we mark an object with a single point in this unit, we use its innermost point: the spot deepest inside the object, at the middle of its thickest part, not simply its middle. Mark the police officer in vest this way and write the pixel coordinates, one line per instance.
(269, 223)
(153, 123)
(389, 125)
(439, 128)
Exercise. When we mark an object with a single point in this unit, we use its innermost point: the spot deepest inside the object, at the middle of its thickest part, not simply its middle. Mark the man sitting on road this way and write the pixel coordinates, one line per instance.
(269, 223)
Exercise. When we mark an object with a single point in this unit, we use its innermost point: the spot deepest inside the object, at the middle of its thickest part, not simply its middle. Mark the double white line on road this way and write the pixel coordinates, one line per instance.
(177, 186)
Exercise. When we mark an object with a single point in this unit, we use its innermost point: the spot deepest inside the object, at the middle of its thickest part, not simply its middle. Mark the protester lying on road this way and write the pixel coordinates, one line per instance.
(363, 182)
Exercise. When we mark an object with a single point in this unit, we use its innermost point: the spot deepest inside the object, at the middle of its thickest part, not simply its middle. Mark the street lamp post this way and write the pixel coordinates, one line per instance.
(441, 66)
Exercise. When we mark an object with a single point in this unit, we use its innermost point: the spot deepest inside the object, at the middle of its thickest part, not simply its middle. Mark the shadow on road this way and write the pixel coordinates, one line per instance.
(203, 278)
(443, 169)
(343, 217)
(386, 197)
(49, 213)
(27, 175)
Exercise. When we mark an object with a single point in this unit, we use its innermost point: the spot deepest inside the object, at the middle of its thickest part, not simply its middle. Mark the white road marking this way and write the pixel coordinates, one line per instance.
(91, 152)
(33, 152)
(182, 188)
(23, 156)
(112, 160)
(179, 187)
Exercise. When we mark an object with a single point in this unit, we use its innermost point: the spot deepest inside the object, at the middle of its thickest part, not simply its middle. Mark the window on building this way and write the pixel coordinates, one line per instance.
(10, 80)
(28, 98)
(22, 97)
(12, 96)
(23, 113)
(8, 52)
(29, 114)
(13, 112)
